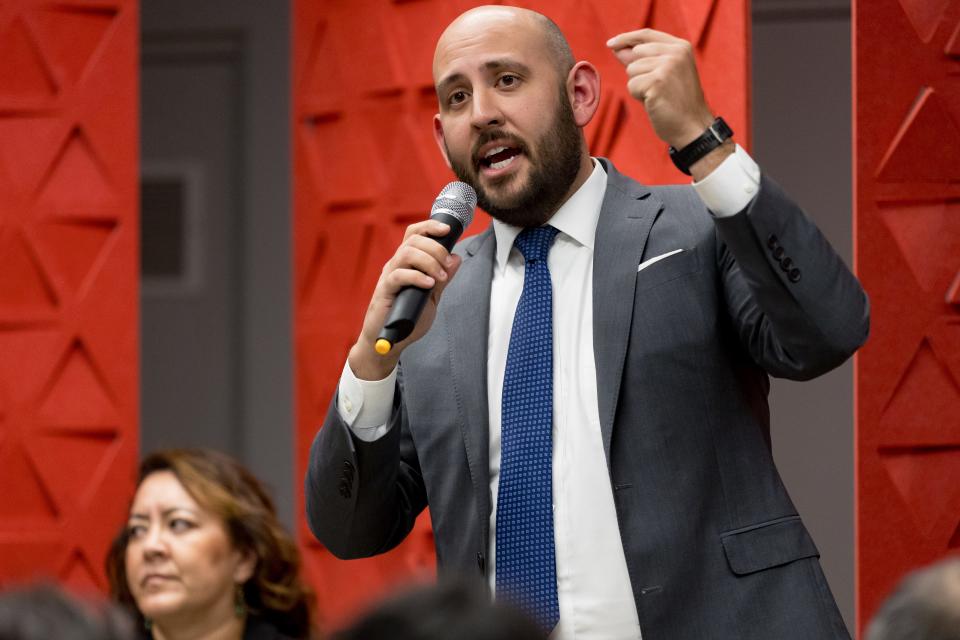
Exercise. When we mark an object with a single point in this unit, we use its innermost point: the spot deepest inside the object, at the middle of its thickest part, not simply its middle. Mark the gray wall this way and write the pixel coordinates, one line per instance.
(801, 115)
(802, 138)
(244, 217)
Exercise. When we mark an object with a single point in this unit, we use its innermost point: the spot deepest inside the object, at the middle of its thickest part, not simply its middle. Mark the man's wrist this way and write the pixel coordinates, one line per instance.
(367, 364)
(706, 165)
(693, 131)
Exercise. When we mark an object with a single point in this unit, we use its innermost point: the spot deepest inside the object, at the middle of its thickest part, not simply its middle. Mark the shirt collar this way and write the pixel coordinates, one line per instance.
(577, 218)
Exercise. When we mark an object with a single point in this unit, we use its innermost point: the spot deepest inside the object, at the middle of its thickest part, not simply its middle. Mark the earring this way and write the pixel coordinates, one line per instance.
(147, 624)
(239, 602)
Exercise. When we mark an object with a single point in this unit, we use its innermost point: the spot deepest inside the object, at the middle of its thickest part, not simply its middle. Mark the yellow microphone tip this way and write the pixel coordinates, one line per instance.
(383, 346)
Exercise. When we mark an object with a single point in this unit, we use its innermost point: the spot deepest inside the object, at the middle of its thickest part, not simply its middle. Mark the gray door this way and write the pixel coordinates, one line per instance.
(215, 326)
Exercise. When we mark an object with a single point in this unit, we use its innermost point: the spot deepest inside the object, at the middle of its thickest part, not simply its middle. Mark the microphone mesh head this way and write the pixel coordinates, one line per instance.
(457, 199)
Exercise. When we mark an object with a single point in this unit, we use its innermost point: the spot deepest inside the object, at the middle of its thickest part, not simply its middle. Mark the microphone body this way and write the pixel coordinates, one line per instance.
(454, 207)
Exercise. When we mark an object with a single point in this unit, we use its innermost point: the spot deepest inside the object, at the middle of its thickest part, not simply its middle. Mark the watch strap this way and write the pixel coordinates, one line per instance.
(713, 137)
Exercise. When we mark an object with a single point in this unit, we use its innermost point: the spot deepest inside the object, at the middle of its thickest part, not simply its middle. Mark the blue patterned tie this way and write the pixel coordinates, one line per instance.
(526, 564)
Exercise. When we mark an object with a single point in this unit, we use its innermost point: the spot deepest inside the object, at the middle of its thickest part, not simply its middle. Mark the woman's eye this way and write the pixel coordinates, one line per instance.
(135, 531)
(180, 525)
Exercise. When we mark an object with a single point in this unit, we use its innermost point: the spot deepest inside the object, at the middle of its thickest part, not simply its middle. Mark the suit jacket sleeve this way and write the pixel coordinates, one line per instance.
(796, 306)
(362, 498)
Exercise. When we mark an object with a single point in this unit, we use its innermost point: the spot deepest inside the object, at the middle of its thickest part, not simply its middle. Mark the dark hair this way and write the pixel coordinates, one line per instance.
(45, 611)
(449, 609)
(223, 486)
(925, 606)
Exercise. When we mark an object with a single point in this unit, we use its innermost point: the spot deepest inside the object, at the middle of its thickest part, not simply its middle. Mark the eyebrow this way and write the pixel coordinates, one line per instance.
(165, 512)
(498, 64)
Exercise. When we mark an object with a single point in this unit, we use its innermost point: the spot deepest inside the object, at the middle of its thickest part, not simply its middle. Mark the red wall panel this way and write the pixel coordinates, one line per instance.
(68, 284)
(366, 166)
(907, 241)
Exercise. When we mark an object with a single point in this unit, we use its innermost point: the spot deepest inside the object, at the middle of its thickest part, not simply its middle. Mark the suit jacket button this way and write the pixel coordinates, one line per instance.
(344, 490)
(778, 252)
(786, 263)
(481, 563)
(348, 466)
(794, 275)
(772, 241)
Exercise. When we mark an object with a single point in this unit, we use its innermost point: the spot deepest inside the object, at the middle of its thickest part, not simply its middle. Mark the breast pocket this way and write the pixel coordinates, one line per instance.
(668, 268)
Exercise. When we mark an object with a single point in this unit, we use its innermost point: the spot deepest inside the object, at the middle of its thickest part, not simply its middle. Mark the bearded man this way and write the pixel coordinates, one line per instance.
(600, 451)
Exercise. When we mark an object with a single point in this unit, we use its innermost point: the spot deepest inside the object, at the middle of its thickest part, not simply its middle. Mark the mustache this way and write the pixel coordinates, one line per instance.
(496, 134)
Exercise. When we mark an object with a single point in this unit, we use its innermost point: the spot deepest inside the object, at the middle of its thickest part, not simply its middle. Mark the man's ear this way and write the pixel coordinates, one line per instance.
(438, 137)
(583, 90)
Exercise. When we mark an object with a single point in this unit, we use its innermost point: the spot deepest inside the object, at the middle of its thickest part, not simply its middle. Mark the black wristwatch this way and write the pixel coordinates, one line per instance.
(709, 140)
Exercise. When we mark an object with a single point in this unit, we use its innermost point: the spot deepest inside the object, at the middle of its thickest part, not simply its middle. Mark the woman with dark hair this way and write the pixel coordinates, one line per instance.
(203, 557)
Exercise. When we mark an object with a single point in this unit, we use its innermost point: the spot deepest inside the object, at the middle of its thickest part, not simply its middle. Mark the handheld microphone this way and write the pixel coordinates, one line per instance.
(454, 207)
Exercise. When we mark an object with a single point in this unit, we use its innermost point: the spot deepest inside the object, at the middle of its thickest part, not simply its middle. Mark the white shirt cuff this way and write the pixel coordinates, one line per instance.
(365, 405)
(730, 187)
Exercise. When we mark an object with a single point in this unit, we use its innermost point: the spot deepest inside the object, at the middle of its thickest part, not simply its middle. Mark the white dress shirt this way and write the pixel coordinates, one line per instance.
(593, 586)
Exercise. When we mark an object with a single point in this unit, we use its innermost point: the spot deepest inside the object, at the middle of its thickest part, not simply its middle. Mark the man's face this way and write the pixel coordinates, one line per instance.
(505, 123)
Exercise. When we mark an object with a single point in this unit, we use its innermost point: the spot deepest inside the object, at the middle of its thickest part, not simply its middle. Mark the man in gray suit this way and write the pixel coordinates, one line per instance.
(670, 307)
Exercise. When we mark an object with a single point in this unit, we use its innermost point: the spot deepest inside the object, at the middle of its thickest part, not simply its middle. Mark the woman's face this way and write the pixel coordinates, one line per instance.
(180, 561)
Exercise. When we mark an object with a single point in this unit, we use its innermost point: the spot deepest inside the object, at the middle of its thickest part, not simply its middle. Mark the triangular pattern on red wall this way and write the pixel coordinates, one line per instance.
(924, 15)
(77, 394)
(928, 235)
(696, 15)
(953, 46)
(23, 284)
(72, 247)
(927, 146)
(72, 35)
(907, 171)
(68, 212)
(918, 474)
(25, 73)
(934, 423)
(77, 180)
(26, 504)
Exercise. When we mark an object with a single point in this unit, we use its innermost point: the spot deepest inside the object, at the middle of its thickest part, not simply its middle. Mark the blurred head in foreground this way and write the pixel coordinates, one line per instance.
(203, 554)
(451, 609)
(925, 606)
(45, 612)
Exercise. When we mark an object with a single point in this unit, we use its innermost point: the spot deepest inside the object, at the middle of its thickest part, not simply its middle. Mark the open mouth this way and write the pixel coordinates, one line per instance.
(499, 157)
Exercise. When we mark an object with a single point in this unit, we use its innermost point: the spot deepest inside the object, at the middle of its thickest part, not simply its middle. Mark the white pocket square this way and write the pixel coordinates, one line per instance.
(647, 263)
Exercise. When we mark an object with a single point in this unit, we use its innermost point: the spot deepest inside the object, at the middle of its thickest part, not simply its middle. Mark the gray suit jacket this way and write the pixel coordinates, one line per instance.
(714, 546)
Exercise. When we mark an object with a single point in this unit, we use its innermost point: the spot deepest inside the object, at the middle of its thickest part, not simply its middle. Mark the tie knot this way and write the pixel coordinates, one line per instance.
(534, 243)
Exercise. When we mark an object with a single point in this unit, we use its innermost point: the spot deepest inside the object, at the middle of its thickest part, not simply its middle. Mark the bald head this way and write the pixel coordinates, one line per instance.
(523, 23)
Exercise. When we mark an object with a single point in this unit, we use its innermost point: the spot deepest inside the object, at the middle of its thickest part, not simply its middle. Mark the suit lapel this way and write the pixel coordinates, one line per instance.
(468, 312)
(626, 216)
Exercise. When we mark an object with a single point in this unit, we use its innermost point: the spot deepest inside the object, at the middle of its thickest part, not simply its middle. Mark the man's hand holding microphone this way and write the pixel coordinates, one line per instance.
(404, 302)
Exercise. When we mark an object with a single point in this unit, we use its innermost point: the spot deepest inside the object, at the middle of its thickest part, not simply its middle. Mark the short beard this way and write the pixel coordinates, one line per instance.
(554, 167)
